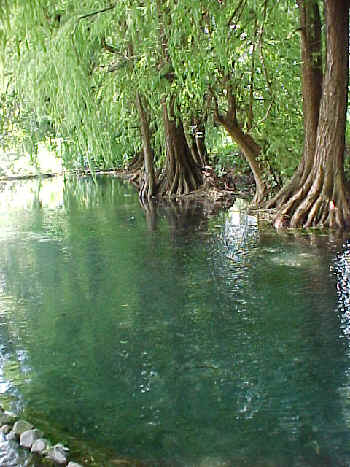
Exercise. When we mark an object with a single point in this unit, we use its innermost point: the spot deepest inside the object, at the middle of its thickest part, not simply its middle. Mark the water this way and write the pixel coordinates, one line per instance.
(171, 337)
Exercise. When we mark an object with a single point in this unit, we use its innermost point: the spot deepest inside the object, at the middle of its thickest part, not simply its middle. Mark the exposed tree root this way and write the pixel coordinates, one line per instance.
(316, 196)
(182, 175)
(313, 206)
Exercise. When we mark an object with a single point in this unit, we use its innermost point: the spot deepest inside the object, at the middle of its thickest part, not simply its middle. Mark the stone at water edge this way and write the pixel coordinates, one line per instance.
(40, 446)
(7, 418)
(5, 429)
(11, 436)
(74, 464)
(20, 426)
(58, 454)
(28, 438)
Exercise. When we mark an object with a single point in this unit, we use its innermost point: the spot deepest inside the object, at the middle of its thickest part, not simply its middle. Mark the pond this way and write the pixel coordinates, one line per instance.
(169, 335)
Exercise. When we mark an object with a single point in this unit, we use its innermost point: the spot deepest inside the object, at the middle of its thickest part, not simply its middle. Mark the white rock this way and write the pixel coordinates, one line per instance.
(11, 436)
(28, 437)
(20, 426)
(40, 445)
(57, 454)
(5, 429)
(61, 446)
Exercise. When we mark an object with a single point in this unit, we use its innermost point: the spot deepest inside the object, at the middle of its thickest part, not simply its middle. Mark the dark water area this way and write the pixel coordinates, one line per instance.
(169, 336)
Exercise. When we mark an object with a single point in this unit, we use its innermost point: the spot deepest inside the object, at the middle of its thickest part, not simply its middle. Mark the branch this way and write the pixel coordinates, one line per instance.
(262, 56)
(109, 48)
(217, 117)
(236, 12)
(115, 66)
(250, 116)
(123, 60)
(216, 107)
(232, 103)
(94, 13)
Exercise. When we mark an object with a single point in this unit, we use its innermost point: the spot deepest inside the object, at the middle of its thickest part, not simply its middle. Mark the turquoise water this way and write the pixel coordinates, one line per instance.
(169, 336)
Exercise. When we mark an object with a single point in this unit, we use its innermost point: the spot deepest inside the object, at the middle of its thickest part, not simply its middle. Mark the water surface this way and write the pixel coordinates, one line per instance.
(169, 336)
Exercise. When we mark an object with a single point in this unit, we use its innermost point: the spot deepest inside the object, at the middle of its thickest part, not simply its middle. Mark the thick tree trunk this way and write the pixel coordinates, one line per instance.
(311, 56)
(319, 199)
(182, 174)
(147, 185)
(137, 162)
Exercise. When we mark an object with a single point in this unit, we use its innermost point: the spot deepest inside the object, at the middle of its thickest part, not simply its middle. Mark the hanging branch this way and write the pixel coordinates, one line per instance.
(88, 15)
(262, 56)
(109, 48)
(237, 12)
(94, 13)
(216, 106)
(232, 103)
(250, 116)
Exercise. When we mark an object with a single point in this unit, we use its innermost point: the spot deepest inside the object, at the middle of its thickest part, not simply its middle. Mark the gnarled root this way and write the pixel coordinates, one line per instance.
(312, 206)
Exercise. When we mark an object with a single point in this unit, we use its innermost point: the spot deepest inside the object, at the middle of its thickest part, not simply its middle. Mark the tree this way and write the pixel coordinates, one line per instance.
(316, 195)
(73, 66)
(191, 65)
(182, 172)
(235, 55)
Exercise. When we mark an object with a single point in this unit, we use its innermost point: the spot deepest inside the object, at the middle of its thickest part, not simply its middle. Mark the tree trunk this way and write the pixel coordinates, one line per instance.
(246, 143)
(147, 185)
(197, 143)
(319, 198)
(137, 162)
(251, 151)
(182, 174)
(311, 56)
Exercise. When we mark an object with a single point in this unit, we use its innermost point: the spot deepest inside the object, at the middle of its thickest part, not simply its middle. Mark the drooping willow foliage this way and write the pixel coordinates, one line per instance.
(81, 65)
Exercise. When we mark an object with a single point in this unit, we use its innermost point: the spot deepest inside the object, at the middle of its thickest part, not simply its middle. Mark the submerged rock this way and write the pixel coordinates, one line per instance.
(28, 438)
(74, 464)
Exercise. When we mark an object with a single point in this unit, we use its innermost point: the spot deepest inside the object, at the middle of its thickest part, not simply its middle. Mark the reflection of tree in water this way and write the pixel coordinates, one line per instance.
(184, 216)
(178, 345)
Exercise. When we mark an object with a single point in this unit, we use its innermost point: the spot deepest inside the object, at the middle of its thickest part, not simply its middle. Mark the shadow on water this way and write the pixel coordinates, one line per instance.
(173, 333)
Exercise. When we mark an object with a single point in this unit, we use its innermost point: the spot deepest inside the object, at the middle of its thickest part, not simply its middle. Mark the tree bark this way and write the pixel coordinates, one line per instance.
(147, 186)
(246, 143)
(319, 197)
(312, 78)
(197, 143)
(182, 174)
(251, 151)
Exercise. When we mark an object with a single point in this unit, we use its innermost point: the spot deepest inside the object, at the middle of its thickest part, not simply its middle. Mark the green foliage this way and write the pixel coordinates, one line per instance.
(78, 66)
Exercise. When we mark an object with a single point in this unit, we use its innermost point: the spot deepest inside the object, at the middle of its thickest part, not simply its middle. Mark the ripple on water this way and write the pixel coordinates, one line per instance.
(210, 348)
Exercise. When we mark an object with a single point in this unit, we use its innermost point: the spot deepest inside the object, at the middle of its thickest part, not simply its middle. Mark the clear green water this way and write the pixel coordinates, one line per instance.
(172, 338)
